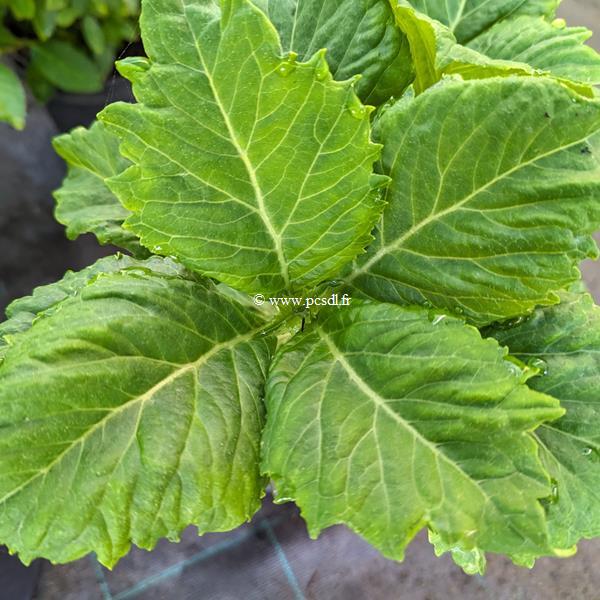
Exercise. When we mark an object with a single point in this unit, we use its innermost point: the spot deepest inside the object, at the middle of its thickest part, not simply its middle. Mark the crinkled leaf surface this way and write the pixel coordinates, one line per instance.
(21, 313)
(84, 202)
(551, 47)
(492, 201)
(360, 36)
(472, 562)
(468, 18)
(12, 98)
(564, 342)
(130, 412)
(386, 421)
(435, 52)
(267, 183)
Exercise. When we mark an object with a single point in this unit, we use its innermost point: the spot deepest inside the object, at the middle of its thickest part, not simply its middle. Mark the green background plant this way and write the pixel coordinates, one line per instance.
(67, 45)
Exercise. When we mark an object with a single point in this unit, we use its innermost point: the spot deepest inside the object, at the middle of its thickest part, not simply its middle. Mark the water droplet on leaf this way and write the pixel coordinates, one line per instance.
(514, 369)
(553, 491)
(540, 364)
(437, 319)
(358, 113)
(322, 71)
(356, 108)
(515, 322)
(286, 68)
(321, 66)
(586, 451)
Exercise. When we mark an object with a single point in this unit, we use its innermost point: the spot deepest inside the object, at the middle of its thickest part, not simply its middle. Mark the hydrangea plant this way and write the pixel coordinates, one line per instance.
(438, 162)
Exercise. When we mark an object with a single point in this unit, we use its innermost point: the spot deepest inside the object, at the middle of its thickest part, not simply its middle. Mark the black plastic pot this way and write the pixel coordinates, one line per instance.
(17, 582)
(71, 110)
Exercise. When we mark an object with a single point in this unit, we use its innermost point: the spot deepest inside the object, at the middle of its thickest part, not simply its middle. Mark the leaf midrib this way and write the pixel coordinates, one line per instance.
(397, 243)
(380, 402)
(260, 200)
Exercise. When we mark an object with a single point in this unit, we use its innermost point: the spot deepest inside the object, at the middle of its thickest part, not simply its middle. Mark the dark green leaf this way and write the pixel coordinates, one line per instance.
(468, 18)
(563, 342)
(127, 414)
(495, 192)
(360, 36)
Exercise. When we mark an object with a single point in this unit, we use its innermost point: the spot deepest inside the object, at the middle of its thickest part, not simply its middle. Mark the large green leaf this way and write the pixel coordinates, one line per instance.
(360, 36)
(388, 421)
(12, 98)
(563, 341)
(130, 413)
(468, 18)
(492, 201)
(84, 202)
(267, 183)
(551, 47)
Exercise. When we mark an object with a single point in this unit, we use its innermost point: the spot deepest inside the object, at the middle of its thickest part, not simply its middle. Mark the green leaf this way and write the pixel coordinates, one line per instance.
(12, 98)
(8, 41)
(41, 88)
(265, 189)
(55, 5)
(551, 47)
(563, 341)
(23, 9)
(472, 562)
(93, 34)
(45, 299)
(66, 67)
(387, 421)
(435, 53)
(44, 21)
(67, 16)
(492, 201)
(468, 18)
(360, 36)
(84, 202)
(127, 414)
